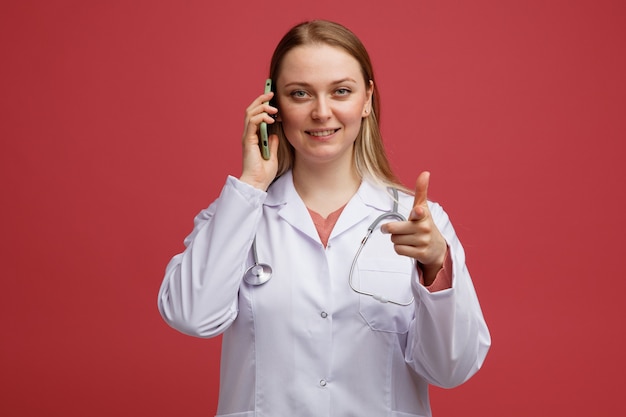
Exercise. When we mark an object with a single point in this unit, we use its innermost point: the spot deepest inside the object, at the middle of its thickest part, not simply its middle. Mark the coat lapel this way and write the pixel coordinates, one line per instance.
(369, 199)
(283, 196)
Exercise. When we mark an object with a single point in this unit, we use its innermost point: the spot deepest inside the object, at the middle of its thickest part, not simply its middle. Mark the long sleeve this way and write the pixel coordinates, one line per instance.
(448, 339)
(198, 295)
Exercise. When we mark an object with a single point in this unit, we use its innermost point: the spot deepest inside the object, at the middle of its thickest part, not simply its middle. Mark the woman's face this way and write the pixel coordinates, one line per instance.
(322, 98)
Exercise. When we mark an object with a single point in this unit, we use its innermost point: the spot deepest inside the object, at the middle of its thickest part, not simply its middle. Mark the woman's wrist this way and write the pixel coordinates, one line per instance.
(253, 182)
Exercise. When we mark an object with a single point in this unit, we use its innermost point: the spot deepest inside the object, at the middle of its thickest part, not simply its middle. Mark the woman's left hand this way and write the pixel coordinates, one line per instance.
(419, 237)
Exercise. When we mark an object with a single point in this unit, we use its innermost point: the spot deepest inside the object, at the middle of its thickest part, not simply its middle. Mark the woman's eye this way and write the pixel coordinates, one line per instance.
(342, 91)
(298, 94)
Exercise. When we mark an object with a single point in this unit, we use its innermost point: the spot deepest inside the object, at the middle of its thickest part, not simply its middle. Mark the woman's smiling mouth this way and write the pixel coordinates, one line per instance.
(321, 133)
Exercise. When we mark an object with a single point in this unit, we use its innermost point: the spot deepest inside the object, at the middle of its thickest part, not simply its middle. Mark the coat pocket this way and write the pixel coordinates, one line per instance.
(391, 280)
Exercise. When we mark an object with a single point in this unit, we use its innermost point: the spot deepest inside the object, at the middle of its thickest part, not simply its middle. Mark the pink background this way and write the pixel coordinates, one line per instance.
(121, 119)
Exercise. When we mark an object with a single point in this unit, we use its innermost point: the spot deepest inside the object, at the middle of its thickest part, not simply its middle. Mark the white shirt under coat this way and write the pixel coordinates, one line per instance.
(304, 343)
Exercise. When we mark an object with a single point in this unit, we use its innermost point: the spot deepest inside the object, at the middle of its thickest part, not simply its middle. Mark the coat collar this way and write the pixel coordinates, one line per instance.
(369, 199)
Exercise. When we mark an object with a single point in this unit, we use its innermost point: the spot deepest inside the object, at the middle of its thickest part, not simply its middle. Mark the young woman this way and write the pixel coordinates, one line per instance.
(347, 325)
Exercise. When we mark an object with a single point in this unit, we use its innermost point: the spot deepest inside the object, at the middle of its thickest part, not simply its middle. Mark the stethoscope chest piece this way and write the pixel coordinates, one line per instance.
(258, 274)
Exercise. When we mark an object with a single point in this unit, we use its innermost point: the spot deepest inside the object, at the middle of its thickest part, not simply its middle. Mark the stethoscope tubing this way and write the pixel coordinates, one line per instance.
(259, 273)
(379, 297)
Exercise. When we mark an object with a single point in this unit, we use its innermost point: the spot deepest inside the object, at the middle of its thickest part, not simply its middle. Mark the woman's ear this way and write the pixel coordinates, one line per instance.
(367, 109)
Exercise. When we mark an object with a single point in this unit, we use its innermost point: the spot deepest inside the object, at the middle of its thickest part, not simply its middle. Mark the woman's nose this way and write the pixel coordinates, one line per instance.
(321, 110)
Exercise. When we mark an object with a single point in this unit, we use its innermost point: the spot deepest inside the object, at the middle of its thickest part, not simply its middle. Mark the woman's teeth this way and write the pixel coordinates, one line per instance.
(322, 133)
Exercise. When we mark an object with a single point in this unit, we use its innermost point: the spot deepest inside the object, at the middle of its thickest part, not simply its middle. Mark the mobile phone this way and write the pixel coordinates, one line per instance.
(264, 141)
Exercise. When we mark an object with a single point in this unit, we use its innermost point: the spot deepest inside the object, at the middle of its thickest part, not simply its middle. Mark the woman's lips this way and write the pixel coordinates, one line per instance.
(321, 133)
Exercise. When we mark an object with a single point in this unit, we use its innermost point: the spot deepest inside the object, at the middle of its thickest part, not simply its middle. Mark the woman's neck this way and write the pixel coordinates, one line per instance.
(325, 189)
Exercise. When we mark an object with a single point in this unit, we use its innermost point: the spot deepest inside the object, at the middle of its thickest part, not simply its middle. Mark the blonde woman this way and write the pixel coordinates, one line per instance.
(316, 319)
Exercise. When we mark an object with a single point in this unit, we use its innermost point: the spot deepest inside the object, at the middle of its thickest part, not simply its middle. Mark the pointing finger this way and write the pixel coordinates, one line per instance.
(421, 196)
(421, 189)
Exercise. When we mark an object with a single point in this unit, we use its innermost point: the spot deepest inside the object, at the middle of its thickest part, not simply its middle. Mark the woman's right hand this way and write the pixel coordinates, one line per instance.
(257, 171)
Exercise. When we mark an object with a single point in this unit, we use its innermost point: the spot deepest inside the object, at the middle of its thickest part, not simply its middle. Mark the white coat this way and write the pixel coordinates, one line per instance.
(305, 344)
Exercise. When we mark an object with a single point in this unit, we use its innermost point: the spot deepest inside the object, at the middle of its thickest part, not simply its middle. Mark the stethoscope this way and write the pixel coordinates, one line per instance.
(260, 273)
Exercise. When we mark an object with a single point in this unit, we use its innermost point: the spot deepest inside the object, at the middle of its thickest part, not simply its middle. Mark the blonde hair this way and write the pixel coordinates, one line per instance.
(369, 153)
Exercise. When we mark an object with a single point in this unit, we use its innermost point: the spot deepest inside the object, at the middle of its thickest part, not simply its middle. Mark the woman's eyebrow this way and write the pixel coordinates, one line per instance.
(305, 84)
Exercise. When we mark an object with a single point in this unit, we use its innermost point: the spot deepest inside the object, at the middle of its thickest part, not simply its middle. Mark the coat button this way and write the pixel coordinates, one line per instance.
(324, 314)
(323, 383)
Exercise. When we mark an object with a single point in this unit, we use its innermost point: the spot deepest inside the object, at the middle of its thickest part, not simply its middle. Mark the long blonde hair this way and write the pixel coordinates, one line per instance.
(369, 153)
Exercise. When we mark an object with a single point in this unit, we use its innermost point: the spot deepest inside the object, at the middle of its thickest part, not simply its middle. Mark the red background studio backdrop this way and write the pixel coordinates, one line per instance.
(121, 120)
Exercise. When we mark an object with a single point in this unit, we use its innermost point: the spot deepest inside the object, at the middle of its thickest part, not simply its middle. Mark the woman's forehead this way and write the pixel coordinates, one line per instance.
(319, 63)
